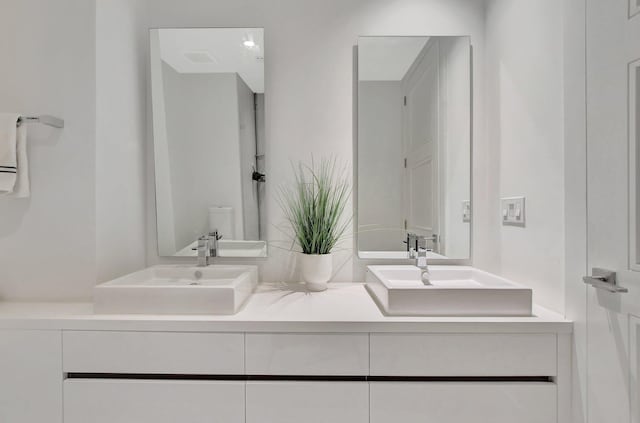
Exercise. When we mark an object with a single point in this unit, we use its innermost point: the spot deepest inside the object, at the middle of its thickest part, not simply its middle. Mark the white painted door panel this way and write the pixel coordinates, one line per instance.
(152, 401)
(30, 376)
(308, 402)
(613, 44)
(463, 402)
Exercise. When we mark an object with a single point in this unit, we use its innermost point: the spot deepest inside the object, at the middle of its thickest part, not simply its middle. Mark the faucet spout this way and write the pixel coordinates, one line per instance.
(421, 263)
(416, 244)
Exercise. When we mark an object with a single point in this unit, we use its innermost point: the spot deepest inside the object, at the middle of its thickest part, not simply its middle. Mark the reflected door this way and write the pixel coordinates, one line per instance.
(421, 136)
(613, 319)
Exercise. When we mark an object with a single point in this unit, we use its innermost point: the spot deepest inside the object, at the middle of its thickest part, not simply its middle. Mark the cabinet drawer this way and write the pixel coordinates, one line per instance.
(124, 401)
(463, 354)
(479, 402)
(308, 402)
(307, 354)
(153, 352)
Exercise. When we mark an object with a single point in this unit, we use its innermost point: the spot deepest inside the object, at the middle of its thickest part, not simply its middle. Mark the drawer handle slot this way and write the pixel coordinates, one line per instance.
(309, 378)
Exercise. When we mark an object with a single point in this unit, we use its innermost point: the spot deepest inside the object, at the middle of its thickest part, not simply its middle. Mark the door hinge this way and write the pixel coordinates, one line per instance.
(405, 162)
(404, 101)
(405, 224)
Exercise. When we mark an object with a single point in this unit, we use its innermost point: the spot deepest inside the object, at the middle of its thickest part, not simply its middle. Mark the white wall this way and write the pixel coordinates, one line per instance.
(247, 143)
(204, 150)
(160, 162)
(575, 171)
(309, 77)
(455, 133)
(82, 225)
(120, 154)
(525, 126)
(80, 209)
(74, 230)
(260, 161)
(380, 171)
(48, 242)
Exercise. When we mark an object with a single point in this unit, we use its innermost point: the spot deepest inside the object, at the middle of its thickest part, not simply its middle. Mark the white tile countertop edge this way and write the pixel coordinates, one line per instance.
(344, 307)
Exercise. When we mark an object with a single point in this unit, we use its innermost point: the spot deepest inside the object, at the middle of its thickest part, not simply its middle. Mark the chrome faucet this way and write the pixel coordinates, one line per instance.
(208, 248)
(203, 251)
(416, 245)
(213, 243)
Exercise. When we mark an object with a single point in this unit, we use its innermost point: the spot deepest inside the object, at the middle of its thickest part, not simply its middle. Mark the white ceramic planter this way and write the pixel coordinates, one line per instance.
(316, 270)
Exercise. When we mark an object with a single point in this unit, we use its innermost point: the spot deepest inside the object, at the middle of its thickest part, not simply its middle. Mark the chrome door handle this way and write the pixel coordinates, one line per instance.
(604, 279)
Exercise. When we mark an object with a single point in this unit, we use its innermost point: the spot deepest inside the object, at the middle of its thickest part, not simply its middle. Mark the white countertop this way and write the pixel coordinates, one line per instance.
(344, 307)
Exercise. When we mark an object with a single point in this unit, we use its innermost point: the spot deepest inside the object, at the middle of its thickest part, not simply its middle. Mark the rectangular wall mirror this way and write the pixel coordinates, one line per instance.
(207, 88)
(414, 145)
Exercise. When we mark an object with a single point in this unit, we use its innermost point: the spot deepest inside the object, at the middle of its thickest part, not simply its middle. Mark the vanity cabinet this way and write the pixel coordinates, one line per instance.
(308, 402)
(153, 401)
(107, 376)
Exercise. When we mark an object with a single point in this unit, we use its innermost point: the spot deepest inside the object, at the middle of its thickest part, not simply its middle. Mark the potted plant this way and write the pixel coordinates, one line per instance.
(313, 205)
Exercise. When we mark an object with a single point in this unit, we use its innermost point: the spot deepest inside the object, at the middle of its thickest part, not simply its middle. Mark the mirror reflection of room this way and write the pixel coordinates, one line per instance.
(414, 146)
(208, 125)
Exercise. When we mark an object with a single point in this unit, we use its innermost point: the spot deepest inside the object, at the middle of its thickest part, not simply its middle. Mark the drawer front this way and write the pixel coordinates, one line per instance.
(308, 402)
(123, 401)
(463, 355)
(153, 352)
(480, 402)
(307, 354)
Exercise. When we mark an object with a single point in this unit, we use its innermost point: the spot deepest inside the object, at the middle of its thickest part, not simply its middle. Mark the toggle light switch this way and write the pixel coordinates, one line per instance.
(513, 212)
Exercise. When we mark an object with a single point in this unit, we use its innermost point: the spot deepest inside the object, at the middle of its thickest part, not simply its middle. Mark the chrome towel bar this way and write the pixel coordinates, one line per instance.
(44, 119)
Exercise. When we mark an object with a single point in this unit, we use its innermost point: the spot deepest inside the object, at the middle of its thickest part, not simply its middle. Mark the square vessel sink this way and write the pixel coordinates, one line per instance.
(176, 289)
(455, 291)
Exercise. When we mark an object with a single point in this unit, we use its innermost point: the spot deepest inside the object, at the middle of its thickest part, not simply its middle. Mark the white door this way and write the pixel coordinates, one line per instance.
(613, 318)
(421, 132)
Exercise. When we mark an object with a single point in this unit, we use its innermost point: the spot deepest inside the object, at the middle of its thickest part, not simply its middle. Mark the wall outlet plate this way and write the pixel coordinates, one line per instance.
(466, 211)
(513, 212)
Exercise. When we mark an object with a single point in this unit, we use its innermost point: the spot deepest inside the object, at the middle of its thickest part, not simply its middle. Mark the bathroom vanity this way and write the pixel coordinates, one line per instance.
(287, 356)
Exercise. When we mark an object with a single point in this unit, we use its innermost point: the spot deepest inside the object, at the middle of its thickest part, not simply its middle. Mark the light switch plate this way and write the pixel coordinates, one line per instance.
(513, 211)
(466, 211)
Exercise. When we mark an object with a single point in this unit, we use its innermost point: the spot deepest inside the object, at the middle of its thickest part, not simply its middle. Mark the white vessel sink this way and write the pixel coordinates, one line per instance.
(177, 289)
(455, 291)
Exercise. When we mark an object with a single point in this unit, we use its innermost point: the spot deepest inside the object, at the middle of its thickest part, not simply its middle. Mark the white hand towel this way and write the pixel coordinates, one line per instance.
(8, 152)
(21, 188)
